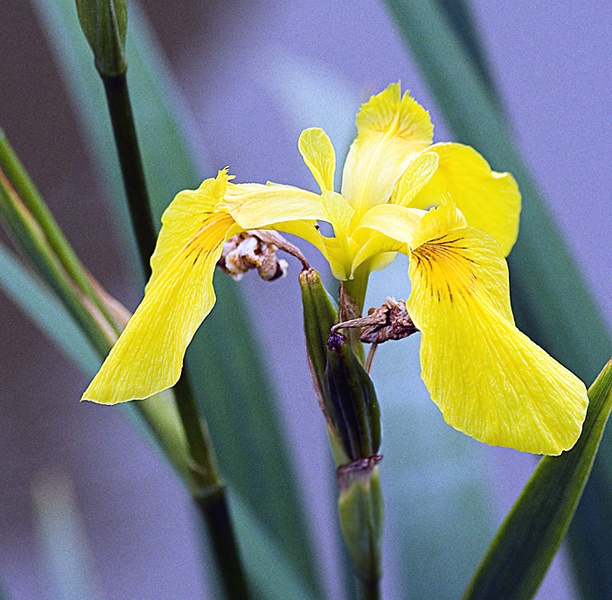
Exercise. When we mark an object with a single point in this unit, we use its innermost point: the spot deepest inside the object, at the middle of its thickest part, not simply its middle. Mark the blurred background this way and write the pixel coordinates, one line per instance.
(249, 77)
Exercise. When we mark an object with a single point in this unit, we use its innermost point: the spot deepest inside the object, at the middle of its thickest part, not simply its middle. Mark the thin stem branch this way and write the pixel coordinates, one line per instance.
(210, 496)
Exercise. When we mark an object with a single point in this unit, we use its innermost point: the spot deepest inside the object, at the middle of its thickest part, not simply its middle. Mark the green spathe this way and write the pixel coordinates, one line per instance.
(361, 511)
(104, 24)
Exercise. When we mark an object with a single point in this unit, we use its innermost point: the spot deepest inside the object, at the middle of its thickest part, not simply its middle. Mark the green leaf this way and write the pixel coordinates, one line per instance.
(46, 311)
(550, 299)
(62, 536)
(531, 534)
(461, 20)
(223, 358)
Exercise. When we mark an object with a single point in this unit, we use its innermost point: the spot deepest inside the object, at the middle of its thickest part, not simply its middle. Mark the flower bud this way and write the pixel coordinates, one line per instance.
(104, 23)
(345, 391)
(351, 400)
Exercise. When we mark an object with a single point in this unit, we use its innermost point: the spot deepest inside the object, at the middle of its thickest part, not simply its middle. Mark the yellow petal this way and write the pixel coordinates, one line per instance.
(256, 206)
(384, 230)
(417, 174)
(391, 128)
(393, 220)
(183, 218)
(148, 356)
(488, 379)
(318, 154)
(489, 200)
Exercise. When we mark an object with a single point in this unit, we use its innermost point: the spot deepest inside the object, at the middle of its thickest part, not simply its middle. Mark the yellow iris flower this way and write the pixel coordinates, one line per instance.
(488, 379)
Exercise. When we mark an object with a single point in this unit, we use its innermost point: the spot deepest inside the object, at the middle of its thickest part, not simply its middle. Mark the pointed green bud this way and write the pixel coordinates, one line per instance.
(361, 512)
(319, 317)
(351, 400)
(104, 23)
(346, 392)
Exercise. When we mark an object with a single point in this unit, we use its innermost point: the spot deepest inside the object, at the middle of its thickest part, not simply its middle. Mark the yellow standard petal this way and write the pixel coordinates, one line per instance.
(488, 379)
(391, 128)
(318, 154)
(148, 356)
(490, 201)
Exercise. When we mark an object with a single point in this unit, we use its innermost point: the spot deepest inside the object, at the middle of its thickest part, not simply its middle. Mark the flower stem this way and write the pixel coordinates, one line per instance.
(124, 130)
(209, 491)
(370, 590)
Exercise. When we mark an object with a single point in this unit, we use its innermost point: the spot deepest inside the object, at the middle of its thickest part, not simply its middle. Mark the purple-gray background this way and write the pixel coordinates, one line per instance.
(255, 74)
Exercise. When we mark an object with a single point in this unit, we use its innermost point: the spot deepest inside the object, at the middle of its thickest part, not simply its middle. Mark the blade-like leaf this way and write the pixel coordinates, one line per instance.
(46, 311)
(461, 20)
(531, 534)
(62, 536)
(551, 302)
(223, 358)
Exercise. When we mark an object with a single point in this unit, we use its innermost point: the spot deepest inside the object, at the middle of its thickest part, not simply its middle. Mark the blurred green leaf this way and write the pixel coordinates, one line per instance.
(223, 359)
(550, 299)
(531, 534)
(62, 536)
(461, 20)
(46, 311)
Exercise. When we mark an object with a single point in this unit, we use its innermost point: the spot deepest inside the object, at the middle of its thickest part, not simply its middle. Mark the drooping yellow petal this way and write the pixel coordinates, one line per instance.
(148, 356)
(490, 201)
(183, 219)
(489, 380)
(318, 154)
(391, 128)
(256, 206)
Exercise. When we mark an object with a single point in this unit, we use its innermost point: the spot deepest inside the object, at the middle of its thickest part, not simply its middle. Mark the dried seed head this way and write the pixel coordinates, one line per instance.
(246, 251)
(389, 322)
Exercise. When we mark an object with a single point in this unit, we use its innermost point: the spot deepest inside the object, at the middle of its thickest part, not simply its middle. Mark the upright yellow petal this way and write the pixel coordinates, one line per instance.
(489, 200)
(391, 128)
(385, 229)
(148, 356)
(488, 379)
(318, 154)
(417, 175)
